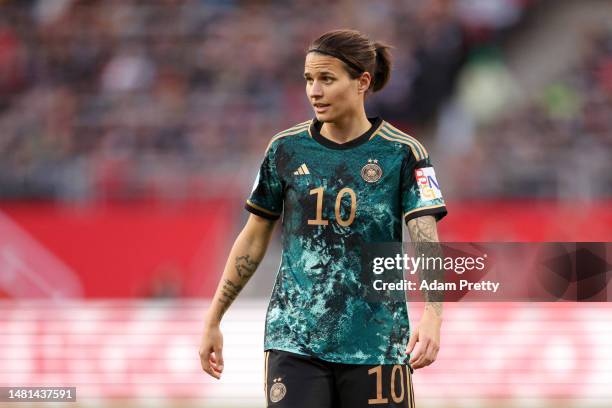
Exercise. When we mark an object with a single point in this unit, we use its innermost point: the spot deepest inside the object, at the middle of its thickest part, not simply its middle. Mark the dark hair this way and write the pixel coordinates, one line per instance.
(358, 53)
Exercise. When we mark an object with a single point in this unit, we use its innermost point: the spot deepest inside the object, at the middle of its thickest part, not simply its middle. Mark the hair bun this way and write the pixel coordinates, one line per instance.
(382, 72)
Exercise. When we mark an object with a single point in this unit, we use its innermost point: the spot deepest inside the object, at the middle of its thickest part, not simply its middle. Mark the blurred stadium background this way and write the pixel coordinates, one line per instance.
(131, 131)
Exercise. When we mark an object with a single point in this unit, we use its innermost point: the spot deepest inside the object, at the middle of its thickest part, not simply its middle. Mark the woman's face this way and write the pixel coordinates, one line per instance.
(331, 91)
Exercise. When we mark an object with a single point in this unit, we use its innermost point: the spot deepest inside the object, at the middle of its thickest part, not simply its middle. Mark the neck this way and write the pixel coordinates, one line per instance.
(346, 129)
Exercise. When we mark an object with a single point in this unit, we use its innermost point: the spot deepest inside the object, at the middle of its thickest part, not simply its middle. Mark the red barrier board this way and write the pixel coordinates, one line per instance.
(150, 250)
(114, 251)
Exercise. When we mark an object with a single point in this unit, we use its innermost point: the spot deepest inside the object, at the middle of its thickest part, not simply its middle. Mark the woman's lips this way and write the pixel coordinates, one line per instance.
(320, 107)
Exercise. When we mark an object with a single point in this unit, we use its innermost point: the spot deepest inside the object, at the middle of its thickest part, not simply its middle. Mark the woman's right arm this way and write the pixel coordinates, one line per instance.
(246, 254)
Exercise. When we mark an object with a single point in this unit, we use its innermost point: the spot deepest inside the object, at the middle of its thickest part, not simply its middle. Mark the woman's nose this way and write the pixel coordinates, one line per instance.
(316, 89)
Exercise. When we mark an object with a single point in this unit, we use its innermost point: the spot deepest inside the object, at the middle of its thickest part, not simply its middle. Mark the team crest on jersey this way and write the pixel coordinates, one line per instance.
(371, 172)
(278, 390)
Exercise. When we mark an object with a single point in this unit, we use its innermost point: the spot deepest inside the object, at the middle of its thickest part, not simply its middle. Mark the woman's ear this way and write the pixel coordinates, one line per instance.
(364, 82)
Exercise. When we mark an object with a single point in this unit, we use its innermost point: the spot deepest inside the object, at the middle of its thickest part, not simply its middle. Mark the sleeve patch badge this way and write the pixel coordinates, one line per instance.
(429, 188)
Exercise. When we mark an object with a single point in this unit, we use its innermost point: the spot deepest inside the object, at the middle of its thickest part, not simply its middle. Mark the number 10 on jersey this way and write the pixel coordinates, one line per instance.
(319, 191)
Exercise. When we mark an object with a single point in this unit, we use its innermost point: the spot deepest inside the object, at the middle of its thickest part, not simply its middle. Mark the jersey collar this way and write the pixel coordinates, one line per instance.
(315, 131)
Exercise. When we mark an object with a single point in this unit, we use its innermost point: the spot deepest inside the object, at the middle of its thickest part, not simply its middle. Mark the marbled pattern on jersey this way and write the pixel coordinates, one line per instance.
(318, 304)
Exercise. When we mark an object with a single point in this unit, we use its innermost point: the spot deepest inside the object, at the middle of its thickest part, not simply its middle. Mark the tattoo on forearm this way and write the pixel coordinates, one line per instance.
(245, 267)
(425, 240)
(229, 292)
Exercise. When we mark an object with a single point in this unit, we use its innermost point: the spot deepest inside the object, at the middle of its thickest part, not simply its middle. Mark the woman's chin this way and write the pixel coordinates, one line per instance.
(323, 117)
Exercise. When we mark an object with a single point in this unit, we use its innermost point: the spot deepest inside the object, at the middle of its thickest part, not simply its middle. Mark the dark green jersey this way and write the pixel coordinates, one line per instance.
(334, 198)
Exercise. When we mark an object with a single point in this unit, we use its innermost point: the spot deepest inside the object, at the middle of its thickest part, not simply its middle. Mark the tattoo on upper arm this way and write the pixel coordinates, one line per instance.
(424, 237)
(423, 229)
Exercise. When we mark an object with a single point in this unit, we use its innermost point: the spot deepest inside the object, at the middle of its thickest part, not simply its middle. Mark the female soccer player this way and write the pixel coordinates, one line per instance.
(340, 180)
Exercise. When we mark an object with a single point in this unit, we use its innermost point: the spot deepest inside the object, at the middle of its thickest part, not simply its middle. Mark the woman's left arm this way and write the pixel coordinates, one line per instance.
(424, 236)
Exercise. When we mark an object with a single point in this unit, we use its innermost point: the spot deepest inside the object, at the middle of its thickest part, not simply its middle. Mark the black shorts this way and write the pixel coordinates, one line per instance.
(297, 381)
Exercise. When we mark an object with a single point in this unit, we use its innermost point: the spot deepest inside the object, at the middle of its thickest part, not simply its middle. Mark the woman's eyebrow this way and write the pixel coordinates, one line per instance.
(323, 72)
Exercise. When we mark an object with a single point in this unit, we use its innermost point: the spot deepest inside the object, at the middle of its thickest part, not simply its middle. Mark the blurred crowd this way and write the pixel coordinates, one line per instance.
(555, 142)
(177, 98)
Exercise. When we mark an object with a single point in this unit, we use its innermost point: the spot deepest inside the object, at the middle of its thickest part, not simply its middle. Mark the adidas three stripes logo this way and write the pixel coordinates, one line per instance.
(302, 170)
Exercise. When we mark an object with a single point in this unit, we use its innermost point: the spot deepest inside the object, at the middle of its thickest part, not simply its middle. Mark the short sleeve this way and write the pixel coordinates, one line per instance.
(266, 199)
(421, 193)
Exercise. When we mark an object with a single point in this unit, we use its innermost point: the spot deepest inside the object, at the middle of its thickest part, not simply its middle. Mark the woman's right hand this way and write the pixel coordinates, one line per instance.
(211, 350)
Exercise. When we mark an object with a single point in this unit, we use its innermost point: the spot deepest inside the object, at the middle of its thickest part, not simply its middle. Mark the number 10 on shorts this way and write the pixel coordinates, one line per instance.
(399, 388)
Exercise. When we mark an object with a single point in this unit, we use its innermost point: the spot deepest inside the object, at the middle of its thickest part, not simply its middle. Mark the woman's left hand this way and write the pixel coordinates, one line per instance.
(427, 334)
